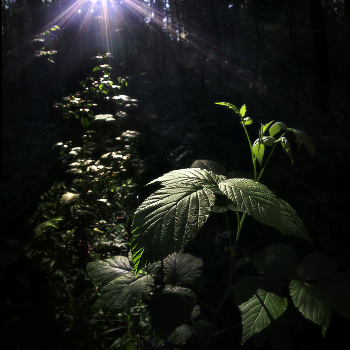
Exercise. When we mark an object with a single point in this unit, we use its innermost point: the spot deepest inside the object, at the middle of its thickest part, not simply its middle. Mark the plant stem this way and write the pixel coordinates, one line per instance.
(262, 170)
(251, 151)
(233, 253)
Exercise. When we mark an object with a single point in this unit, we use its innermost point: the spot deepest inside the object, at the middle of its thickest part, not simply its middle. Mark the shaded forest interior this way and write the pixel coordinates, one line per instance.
(171, 60)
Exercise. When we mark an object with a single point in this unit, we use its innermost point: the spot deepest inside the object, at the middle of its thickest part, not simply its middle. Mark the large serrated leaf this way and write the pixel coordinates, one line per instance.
(167, 220)
(170, 307)
(278, 261)
(209, 165)
(105, 271)
(255, 199)
(311, 302)
(194, 177)
(316, 267)
(293, 225)
(125, 291)
(182, 269)
(337, 290)
(259, 303)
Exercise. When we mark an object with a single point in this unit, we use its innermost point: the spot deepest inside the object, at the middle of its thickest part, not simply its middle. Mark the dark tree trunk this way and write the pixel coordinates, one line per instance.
(258, 40)
(37, 15)
(322, 80)
(293, 39)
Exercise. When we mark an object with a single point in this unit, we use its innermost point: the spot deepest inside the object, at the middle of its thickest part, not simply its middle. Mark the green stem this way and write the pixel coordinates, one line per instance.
(233, 253)
(262, 170)
(251, 151)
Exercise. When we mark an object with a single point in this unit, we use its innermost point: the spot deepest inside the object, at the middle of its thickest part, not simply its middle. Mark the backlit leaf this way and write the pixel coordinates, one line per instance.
(276, 128)
(293, 225)
(255, 199)
(260, 304)
(311, 302)
(258, 150)
(168, 219)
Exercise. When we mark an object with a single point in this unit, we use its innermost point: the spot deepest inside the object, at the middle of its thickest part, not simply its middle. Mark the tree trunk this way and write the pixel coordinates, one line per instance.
(322, 80)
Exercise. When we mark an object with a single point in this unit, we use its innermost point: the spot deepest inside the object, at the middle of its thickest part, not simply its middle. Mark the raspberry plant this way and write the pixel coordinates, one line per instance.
(163, 276)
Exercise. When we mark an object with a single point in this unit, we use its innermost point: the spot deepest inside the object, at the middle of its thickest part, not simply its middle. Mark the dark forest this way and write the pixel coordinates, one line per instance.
(174, 174)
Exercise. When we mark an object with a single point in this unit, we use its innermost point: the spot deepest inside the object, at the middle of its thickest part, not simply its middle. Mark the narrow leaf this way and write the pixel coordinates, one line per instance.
(255, 199)
(230, 106)
(286, 148)
(243, 110)
(264, 127)
(258, 150)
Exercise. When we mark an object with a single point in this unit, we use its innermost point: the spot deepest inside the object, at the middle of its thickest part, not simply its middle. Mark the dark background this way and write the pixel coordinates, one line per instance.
(286, 60)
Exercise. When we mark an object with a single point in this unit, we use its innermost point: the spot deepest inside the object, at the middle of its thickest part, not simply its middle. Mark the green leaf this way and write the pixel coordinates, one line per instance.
(195, 178)
(268, 140)
(182, 269)
(264, 127)
(276, 128)
(337, 290)
(181, 334)
(125, 291)
(311, 302)
(259, 303)
(246, 121)
(308, 143)
(316, 267)
(230, 106)
(303, 138)
(69, 197)
(168, 219)
(278, 261)
(258, 150)
(105, 271)
(170, 307)
(293, 225)
(46, 225)
(286, 148)
(85, 122)
(216, 168)
(243, 110)
(255, 199)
